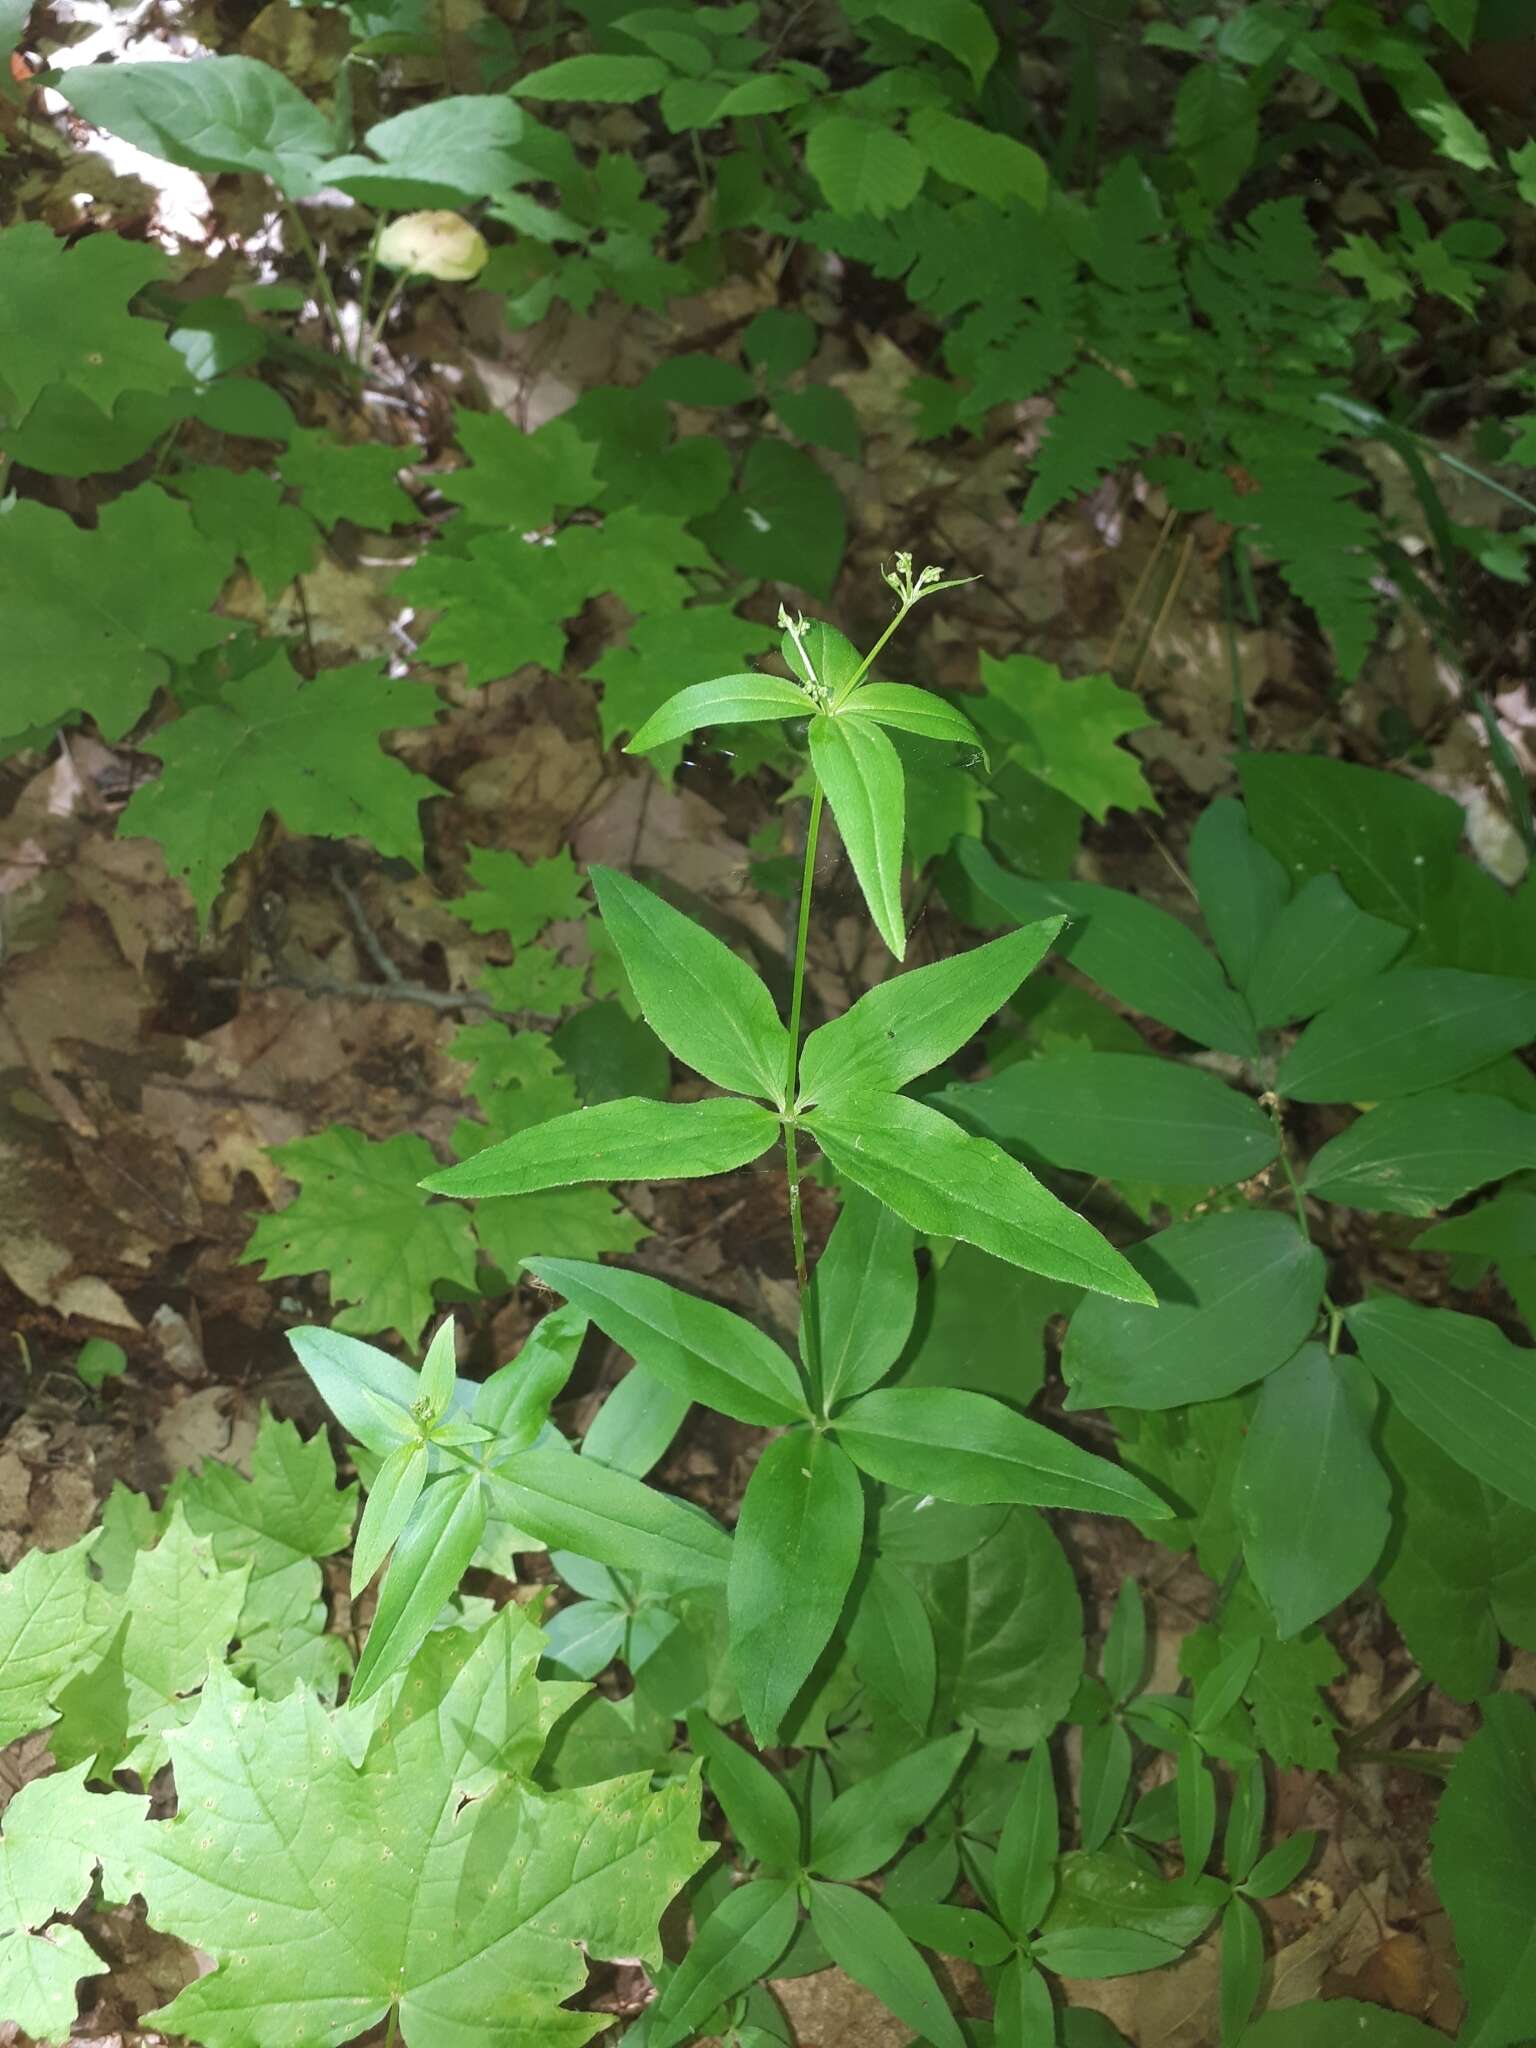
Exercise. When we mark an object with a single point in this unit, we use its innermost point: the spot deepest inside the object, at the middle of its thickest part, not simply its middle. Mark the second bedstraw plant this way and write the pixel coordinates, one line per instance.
(903, 1166)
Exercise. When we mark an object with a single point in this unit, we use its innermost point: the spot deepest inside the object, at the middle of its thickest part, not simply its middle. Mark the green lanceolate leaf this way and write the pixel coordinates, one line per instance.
(1462, 1382)
(857, 1313)
(631, 1139)
(1279, 1869)
(1024, 2011)
(637, 1423)
(968, 1448)
(957, 1931)
(1485, 1869)
(1125, 1645)
(702, 1002)
(394, 1493)
(1024, 1876)
(1241, 885)
(864, 1827)
(941, 1180)
(1419, 1155)
(1196, 1806)
(864, 782)
(1242, 1969)
(1417, 1027)
(576, 1504)
(692, 1346)
(1105, 1780)
(1095, 1952)
(1238, 1293)
(902, 1027)
(1312, 1500)
(514, 1402)
(864, 1940)
(919, 711)
(369, 1393)
(728, 700)
(1121, 1116)
(1135, 951)
(761, 1813)
(890, 1639)
(740, 1942)
(431, 1556)
(1321, 945)
(796, 1549)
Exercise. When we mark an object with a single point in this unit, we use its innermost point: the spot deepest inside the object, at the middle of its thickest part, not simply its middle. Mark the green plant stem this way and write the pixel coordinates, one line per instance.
(306, 242)
(796, 1004)
(1290, 1171)
(368, 343)
(390, 2030)
(873, 655)
(1423, 1760)
(366, 292)
(1358, 1738)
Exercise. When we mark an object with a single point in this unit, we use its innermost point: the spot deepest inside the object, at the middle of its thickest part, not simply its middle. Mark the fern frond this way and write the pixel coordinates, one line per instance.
(1099, 423)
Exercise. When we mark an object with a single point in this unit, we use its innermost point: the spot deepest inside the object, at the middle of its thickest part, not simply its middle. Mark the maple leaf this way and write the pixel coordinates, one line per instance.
(273, 742)
(520, 480)
(429, 1876)
(86, 630)
(48, 1854)
(359, 1217)
(639, 677)
(537, 984)
(244, 512)
(1064, 731)
(342, 481)
(517, 1080)
(519, 897)
(279, 1521)
(64, 319)
(179, 1611)
(47, 1630)
(582, 1223)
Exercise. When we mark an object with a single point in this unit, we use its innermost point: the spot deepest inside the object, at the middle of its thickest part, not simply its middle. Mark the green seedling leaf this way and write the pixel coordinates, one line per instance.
(584, 1637)
(702, 1002)
(1318, 948)
(1025, 1873)
(1413, 1157)
(1241, 886)
(866, 787)
(1238, 1293)
(431, 1555)
(1105, 1780)
(920, 711)
(864, 1827)
(630, 1139)
(796, 1549)
(1007, 1604)
(761, 1813)
(1460, 1569)
(1462, 1382)
(1125, 1645)
(944, 1182)
(695, 1347)
(1485, 1868)
(863, 1939)
(969, 1448)
(902, 1027)
(1411, 1029)
(1242, 1969)
(1221, 1688)
(1121, 1116)
(1312, 1500)
(48, 1630)
(443, 1784)
(857, 1313)
(739, 1943)
(211, 114)
(576, 1504)
(1277, 1871)
(1390, 841)
(359, 1217)
(100, 1360)
(370, 1394)
(728, 700)
(1139, 954)
(1245, 1820)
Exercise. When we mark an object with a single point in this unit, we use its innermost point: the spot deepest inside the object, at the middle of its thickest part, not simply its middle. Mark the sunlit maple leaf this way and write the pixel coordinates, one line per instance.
(1064, 730)
(47, 1630)
(519, 897)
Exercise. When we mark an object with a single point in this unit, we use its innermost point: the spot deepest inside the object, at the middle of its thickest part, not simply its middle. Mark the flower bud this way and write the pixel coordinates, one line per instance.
(438, 244)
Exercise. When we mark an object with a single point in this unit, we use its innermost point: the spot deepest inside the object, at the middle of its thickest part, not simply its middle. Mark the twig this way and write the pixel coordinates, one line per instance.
(386, 992)
(372, 944)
